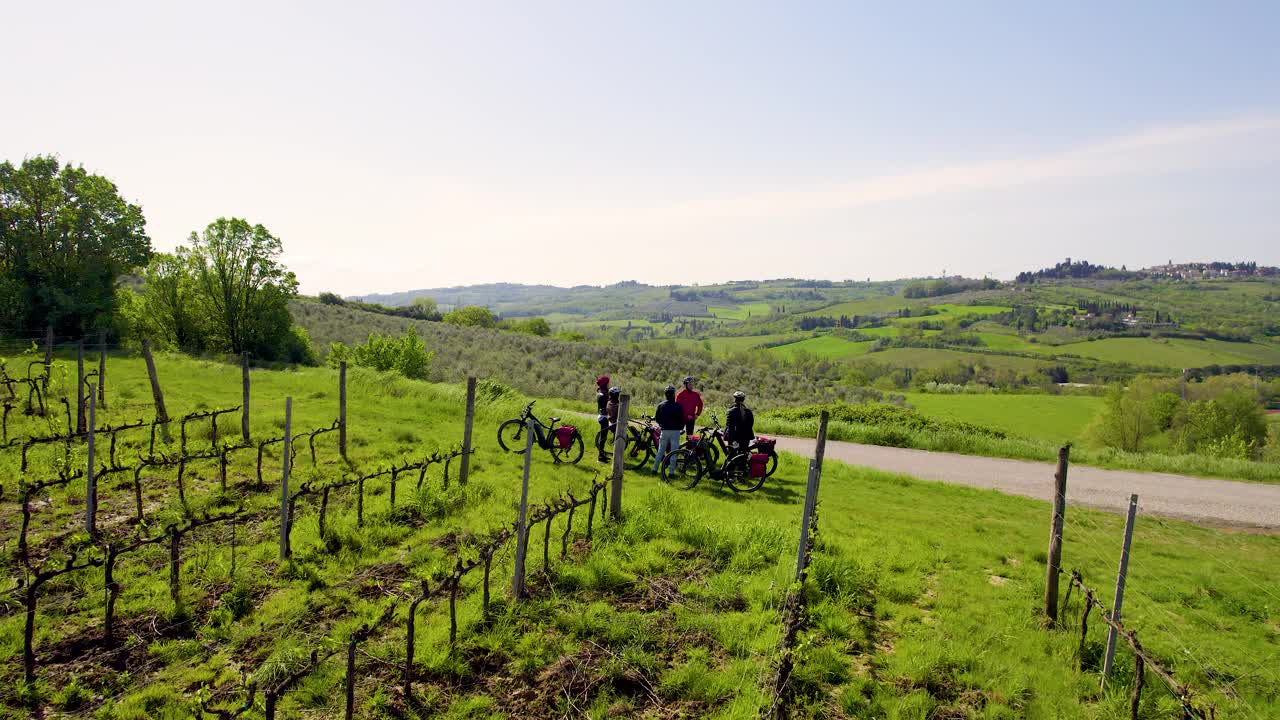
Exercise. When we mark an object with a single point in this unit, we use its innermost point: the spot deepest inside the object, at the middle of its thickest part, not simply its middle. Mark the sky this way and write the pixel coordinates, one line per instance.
(394, 146)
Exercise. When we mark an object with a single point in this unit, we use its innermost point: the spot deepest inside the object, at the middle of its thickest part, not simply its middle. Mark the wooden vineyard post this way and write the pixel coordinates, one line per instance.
(806, 515)
(820, 450)
(1119, 599)
(91, 485)
(522, 528)
(80, 387)
(619, 458)
(48, 353)
(1139, 679)
(101, 369)
(244, 397)
(1055, 536)
(342, 409)
(284, 481)
(162, 415)
(466, 430)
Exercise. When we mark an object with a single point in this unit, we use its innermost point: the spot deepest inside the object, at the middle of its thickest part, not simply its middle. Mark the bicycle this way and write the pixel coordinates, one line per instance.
(564, 443)
(643, 438)
(710, 444)
(689, 470)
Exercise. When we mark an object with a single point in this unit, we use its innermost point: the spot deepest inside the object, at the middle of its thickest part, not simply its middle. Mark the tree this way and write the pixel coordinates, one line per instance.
(425, 305)
(166, 312)
(244, 289)
(471, 315)
(65, 237)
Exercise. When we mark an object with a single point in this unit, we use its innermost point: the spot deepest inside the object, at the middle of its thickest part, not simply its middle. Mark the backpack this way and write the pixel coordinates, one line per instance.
(764, 444)
(759, 465)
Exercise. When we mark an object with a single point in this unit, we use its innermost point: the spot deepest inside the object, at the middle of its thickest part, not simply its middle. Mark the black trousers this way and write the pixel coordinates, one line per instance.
(602, 439)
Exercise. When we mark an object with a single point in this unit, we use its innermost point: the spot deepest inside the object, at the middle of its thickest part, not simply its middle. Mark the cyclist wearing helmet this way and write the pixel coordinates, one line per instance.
(691, 402)
(602, 417)
(740, 423)
(611, 409)
(670, 417)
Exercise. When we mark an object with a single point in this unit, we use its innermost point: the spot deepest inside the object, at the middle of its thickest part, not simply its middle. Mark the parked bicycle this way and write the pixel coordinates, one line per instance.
(742, 472)
(564, 442)
(710, 444)
(700, 455)
(643, 438)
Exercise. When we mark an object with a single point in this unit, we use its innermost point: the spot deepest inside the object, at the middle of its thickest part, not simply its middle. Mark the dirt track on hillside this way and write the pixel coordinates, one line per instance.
(1221, 503)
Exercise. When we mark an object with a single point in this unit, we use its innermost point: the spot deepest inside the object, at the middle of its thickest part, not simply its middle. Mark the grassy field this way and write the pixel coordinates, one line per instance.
(826, 346)
(1055, 418)
(1169, 352)
(923, 601)
(935, 358)
(740, 312)
(948, 311)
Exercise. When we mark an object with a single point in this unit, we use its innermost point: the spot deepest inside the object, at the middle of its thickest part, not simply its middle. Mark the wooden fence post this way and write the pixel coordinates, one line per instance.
(162, 415)
(91, 485)
(80, 387)
(1139, 678)
(1055, 536)
(284, 481)
(1119, 599)
(102, 369)
(350, 682)
(244, 397)
(48, 353)
(466, 430)
(806, 515)
(342, 409)
(820, 449)
(619, 458)
(522, 529)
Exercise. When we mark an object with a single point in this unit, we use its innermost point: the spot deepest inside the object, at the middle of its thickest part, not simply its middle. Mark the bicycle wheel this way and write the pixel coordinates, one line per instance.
(511, 436)
(688, 470)
(737, 474)
(639, 450)
(570, 455)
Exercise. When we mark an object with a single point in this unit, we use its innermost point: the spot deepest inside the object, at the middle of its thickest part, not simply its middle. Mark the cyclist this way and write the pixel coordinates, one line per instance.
(691, 402)
(611, 409)
(670, 418)
(740, 424)
(602, 416)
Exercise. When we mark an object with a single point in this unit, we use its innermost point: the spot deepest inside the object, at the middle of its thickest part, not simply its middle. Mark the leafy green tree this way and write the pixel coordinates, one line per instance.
(1231, 425)
(167, 310)
(244, 289)
(65, 237)
(426, 306)
(1126, 420)
(471, 316)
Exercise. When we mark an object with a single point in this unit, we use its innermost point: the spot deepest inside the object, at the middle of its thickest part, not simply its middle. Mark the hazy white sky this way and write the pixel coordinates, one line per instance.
(397, 146)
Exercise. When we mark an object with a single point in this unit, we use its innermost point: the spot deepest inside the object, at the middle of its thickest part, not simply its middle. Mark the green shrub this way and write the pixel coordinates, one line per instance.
(407, 356)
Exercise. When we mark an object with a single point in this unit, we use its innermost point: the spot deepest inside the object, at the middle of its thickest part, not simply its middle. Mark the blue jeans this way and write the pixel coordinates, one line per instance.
(669, 443)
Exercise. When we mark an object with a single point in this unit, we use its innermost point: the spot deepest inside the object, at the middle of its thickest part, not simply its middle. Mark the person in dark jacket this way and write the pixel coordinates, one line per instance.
(602, 415)
(740, 424)
(670, 418)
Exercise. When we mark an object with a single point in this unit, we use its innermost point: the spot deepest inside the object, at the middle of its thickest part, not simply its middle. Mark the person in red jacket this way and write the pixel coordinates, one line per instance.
(691, 402)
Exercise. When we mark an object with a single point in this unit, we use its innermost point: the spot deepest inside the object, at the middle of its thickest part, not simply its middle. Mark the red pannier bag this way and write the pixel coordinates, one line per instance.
(564, 436)
(759, 465)
(764, 444)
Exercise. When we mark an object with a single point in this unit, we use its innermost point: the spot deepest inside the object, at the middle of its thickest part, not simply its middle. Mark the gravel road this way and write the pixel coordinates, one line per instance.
(1210, 502)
